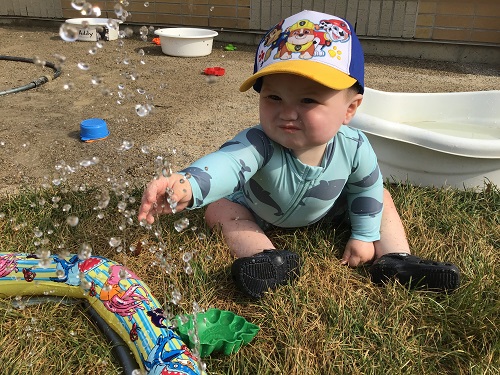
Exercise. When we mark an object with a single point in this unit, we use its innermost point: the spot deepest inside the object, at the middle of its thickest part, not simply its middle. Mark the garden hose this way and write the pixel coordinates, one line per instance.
(37, 82)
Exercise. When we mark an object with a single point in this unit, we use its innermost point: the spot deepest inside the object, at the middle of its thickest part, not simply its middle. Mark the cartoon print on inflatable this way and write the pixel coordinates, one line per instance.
(118, 296)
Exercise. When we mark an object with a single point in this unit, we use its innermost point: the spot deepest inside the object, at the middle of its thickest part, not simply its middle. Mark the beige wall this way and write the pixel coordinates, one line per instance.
(465, 21)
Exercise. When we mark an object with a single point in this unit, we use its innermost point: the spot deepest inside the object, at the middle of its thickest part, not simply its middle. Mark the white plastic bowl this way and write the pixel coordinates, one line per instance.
(93, 29)
(186, 42)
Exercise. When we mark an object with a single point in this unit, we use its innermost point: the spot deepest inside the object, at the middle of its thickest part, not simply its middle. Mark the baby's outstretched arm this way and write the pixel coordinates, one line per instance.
(156, 200)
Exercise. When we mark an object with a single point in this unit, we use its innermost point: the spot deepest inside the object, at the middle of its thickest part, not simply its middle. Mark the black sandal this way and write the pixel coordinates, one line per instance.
(263, 271)
(415, 272)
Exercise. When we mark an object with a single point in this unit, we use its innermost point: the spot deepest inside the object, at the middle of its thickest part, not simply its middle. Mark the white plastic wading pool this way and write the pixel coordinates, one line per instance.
(437, 139)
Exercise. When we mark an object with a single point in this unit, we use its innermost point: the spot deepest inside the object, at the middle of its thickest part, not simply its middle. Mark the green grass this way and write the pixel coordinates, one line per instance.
(331, 321)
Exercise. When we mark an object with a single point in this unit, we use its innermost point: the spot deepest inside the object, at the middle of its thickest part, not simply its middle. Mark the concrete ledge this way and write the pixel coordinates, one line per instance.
(409, 48)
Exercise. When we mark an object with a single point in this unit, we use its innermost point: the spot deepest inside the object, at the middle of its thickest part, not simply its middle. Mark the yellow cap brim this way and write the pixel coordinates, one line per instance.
(321, 73)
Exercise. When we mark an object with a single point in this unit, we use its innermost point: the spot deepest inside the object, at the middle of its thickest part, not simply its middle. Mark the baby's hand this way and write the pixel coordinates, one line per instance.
(156, 200)
(357, 253)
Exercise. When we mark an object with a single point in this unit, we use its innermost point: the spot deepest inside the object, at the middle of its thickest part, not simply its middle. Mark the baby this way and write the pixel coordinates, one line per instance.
(301, 164)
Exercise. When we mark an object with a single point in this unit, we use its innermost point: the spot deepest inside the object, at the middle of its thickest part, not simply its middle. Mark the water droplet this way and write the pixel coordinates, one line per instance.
(68, 85)
(141, 110)
(85, 251)
(123, 273)
(210, 79)
(60, 274)
(181, 224)
(83, 66)
(113, 24)
(77, 4)
(146, 4)
(129, 32)
(96, 11)
(38, 61)
(68, 32)
(86, 9)
(118, 9)
(96, 80)
(176, 296)
(86, 163)
(186, 257)
(126, 145)
(72, 221)
(115, 241)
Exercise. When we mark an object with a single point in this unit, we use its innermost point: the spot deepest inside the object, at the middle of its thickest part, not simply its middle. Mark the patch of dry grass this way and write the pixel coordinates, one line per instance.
(332, 320)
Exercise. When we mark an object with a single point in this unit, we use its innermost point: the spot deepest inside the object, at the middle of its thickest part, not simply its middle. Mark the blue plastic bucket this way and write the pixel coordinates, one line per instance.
(93, 129)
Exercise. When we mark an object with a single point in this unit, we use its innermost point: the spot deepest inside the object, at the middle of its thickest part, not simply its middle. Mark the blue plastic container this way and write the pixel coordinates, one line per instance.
(93, 129)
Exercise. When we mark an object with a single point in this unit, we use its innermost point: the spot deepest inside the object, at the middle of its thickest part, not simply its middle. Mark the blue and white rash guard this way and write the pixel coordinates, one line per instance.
(280, 190)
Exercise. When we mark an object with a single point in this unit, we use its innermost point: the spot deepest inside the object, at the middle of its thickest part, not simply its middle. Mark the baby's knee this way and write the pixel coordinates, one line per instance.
(211, 215)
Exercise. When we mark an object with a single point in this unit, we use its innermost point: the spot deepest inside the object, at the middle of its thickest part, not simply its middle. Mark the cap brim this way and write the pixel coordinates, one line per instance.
(321, 73)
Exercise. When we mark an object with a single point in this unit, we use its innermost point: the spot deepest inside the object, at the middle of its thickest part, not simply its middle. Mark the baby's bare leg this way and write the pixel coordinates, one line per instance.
(392, 233)
(241, 233)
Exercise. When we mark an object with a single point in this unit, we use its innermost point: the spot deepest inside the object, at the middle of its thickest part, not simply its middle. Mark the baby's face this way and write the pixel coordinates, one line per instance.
(301, 114)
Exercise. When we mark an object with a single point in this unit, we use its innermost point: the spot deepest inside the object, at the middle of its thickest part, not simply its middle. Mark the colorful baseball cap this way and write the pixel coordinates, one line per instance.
(313, 45)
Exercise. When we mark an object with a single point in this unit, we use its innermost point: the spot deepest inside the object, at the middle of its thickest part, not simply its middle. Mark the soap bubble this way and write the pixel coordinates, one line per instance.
(68, 33)
(143, 31)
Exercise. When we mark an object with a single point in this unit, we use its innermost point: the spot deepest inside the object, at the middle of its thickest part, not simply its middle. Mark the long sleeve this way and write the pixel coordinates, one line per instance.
(365, 193)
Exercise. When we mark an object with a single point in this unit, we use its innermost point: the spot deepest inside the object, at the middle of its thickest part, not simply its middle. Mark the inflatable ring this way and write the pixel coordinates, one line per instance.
(116, 294)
